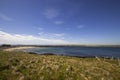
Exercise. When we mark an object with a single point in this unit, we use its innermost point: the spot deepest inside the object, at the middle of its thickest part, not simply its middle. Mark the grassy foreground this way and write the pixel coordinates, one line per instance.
(24, 66)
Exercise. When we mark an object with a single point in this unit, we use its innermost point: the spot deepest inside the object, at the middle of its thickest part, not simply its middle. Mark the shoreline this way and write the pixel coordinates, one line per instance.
(17, 48)
(10, 49)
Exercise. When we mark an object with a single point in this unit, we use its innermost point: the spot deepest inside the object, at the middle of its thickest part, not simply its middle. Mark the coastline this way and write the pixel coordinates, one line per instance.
(17, 48)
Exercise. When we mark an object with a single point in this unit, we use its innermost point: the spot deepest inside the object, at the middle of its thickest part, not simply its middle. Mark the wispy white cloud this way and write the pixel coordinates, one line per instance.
(5, 17)
(52, 35)
(51, 13)
(80, 26)
(59, 35)
(28, 39)
(58, 22)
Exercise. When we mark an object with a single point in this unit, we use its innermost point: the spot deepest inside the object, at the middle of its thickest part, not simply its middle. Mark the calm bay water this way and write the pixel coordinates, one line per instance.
(78, 51)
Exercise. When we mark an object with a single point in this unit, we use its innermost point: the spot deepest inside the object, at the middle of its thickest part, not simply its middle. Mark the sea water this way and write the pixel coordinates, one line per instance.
(78, 51)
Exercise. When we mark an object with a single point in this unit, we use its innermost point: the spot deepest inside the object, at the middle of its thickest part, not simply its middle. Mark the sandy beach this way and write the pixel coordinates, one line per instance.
(17, 48)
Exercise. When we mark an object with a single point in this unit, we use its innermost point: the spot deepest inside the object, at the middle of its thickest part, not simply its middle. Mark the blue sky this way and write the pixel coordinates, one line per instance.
(60, 22)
